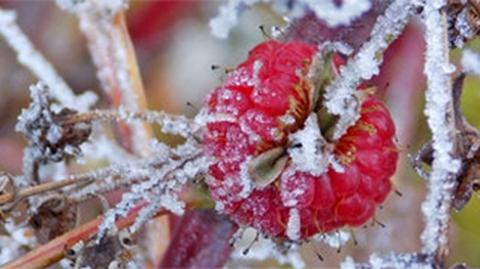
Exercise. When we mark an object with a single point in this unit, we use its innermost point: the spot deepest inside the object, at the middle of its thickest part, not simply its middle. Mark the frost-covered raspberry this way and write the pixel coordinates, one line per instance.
(263, 102)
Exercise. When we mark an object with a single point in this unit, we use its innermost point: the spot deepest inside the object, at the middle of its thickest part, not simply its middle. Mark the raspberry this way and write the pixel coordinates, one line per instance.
(265, 99)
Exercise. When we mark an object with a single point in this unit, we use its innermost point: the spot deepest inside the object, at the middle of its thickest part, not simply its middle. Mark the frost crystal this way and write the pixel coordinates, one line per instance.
(265, 248)
(471, 62)
(334, 239)
(327, 10)
(293, 225)
(163, 178)
(334, 14)
(340, 96)
(28, 56)
(48, 138)
(309, 153)
(392, 260)
(465, 30)
(438, 109)
(110, 53)
(9, 249)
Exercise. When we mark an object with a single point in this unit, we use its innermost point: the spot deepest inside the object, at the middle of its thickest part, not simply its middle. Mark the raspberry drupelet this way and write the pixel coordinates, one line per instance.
(266, 98)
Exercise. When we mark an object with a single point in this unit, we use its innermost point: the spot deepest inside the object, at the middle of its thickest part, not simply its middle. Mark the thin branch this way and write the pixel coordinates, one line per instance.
(392, 260)
(54, 250)
(441, 120)
(103, 24)
(173, 124)
(340, 95)
(32, 59)
(38, 189)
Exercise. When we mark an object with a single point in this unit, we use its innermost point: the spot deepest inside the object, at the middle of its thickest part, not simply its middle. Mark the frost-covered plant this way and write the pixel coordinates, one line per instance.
(308, 139)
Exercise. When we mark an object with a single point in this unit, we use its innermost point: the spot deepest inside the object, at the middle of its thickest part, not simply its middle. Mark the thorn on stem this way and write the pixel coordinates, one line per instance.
(264, 32)
(375, 221)
(354, 238)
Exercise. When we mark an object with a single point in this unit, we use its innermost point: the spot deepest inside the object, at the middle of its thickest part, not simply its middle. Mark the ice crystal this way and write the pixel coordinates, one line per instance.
(48, 138)
(334, 239)
(163, 179)
(471, 62)
(309, 153)
(28, 56)
(327, 10)
(110, 53)
(340, 96)
(438, 109)
(465, 30)
(392, 260)
(9, 248)
(293, 225)
(265, 248)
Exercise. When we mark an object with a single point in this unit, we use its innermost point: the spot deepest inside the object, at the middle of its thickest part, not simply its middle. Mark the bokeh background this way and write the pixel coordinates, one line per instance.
(176, 51)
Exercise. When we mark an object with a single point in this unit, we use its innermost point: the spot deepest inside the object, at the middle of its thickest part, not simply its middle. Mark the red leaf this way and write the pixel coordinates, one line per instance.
(200, 240)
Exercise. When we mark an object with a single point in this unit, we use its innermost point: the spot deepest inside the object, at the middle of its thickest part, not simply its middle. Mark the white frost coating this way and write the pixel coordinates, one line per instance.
(245, 179)
(334, 239)
(439, 105)
(265, 248)
(101, 147)
(110, 53)
(29, 57)
(112, 6)
(9, 249)
(326, 10)
(228, 17)
(462, 25)
(162, 179)
(340, 95)
(22, 235)
(311, 155)
(335, 15)
(471, 62)
(293, 225)
(392, 260)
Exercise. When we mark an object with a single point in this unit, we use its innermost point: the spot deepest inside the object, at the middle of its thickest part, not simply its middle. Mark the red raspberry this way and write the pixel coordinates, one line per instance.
(263, 100)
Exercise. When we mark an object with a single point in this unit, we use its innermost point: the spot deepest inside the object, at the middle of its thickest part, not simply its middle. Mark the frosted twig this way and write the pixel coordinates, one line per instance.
(164, 181)
(471, 62)
(32, 59)
(340, 95)
(173, 124)
(327, 10)
(103, 24)
(38, 189)
(440, 114)
(392, 260)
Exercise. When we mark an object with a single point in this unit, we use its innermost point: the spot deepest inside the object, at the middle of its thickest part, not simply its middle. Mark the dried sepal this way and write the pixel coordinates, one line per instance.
(53, 218)
(50, 138)
(267, 166)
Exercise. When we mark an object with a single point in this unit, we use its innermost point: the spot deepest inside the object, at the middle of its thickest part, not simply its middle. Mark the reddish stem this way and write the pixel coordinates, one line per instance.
(53, 251)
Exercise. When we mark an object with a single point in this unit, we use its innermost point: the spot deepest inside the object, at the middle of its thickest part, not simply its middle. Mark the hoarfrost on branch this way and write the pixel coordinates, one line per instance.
(392, 260)
(340, 96)
(28, 56)
(439, 110)
(326, 10)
